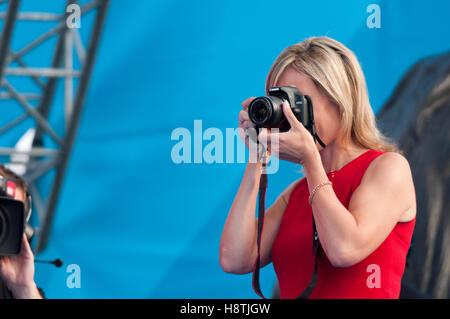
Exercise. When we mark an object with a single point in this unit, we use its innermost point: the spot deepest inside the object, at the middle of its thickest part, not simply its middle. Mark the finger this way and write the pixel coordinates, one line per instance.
(26, 249)
(252, 134)
(289, 114)
(243, 116)
(247, 102)
(247, 132)
(265, 137)
(243, 130)
(274, 143)
(269, 141)
(246, 124)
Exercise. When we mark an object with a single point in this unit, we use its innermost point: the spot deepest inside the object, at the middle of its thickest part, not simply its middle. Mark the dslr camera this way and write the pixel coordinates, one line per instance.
(13, 218)
(267, 111)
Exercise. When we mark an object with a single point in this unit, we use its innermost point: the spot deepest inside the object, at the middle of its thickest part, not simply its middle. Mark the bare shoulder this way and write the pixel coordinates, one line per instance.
(389, 175)
(389, 167)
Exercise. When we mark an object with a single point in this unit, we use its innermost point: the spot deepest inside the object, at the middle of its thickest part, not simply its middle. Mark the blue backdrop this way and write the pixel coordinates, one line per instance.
(141, 226)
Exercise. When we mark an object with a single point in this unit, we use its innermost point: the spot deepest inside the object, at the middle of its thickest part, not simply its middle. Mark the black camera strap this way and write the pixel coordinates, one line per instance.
(316, 137)
(312, 124)
(261, 211)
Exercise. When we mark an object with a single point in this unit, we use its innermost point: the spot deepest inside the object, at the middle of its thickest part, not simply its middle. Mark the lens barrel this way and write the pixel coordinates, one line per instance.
(266, 111)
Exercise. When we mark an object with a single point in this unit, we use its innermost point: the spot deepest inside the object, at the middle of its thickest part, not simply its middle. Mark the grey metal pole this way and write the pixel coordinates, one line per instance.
(49, 91)
(73, 124)
(8, 27)
(41, 159)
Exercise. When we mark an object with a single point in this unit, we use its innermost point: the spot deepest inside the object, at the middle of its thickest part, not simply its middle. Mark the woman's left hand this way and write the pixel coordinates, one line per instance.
(296, 145)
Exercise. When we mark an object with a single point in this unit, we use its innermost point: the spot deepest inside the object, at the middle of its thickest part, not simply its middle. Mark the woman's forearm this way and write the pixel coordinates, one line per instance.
(335, 225)
(238, 242)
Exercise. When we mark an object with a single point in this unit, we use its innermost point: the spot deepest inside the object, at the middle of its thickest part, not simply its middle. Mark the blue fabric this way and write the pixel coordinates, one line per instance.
(141, 226)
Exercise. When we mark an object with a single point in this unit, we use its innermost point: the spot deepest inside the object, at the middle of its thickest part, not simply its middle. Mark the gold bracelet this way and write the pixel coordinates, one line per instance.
(327, 182)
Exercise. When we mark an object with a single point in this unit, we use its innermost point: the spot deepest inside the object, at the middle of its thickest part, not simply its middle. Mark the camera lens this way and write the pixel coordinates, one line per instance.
(260, 111)
(266, 111)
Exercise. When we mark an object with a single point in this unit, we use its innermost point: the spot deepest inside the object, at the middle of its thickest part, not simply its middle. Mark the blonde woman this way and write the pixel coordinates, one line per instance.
(358, 189)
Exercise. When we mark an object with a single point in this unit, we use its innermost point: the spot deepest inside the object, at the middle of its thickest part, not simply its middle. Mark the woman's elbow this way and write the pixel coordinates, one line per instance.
(341, 262)
(233, 266)
(343, 257)
(226, 265)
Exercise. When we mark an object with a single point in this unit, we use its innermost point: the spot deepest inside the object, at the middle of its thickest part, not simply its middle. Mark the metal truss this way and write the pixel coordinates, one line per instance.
(31, 158)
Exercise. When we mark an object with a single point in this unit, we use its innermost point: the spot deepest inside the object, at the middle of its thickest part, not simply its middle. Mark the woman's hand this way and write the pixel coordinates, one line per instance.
(244, 121)
(245, 130)
(296, 145)
(18, 273)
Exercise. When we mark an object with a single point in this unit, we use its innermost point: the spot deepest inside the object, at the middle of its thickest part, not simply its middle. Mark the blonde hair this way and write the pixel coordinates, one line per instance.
(336, 72)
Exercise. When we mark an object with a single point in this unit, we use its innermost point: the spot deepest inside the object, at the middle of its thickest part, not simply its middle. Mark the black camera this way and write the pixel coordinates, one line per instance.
(267, 111)
(12, 219)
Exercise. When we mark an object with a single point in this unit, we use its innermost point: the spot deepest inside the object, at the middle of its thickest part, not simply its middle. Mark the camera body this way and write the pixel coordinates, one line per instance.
(12, 219)
(267, 111)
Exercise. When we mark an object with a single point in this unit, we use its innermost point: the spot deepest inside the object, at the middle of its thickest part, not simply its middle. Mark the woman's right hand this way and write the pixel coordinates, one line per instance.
(244, 121)
(238, 248)
(245, 125)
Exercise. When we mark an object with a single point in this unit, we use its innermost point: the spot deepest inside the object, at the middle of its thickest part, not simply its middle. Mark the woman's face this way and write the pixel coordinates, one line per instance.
(326, 114)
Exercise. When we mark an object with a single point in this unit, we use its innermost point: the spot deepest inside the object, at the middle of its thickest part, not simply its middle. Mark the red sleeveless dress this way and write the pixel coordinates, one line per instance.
(377, 276)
